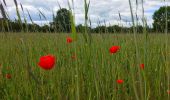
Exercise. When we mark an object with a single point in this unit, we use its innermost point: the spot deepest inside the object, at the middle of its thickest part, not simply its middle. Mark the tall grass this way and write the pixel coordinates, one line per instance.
(167, 48)
(135, 42)
(145, 49)
(86, 11)
(25, 20)
(18, 14)
(97, 69)
(4, 15)
(43, 15)
(72, 21)
(93, 73)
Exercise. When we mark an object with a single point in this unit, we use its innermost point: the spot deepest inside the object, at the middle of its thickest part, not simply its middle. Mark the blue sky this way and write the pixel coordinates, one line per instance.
(103, 10)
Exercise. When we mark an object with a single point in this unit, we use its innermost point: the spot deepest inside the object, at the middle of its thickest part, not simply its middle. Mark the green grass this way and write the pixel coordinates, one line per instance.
(94, 68)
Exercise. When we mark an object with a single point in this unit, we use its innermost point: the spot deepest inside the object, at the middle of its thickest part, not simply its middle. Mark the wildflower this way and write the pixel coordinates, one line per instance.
(120, 81)
(8, 76)
(114, 49)
(47, 62)
(168, 91)
(73, 57)
(69, 40)
(142, 66)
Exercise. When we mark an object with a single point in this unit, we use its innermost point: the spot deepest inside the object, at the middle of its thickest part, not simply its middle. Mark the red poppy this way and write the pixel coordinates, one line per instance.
(114, 49)
(8, 76)
(73, 57)
(142, 66)
(120, 81)
(47, 62)
(69, 40)
(168, 91)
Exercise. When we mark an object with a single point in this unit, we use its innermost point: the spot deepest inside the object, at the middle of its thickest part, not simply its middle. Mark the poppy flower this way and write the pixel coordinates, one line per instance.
(168, 91)
(73, 57)
(114, 49)
(47, 62)
(69, 40)
(120, 81)
(8, 76)
(142, 66)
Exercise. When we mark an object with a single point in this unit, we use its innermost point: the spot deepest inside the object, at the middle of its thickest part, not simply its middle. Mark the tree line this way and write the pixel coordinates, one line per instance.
(61, 23)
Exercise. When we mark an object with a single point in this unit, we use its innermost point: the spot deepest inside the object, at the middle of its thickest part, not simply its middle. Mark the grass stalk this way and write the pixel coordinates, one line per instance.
(74, 36)
(72, 21)
(86, 10)
(146, 47)
(25, 52)
(166, 48)
(25, 20)
(43, 15)
(18, 15)
(137, 55)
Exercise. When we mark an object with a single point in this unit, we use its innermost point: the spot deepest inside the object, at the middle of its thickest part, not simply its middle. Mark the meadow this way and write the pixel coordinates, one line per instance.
(84, 71)
(61, 61)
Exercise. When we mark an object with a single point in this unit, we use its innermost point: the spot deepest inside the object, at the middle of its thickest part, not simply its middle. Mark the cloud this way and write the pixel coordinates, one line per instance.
(100, 10)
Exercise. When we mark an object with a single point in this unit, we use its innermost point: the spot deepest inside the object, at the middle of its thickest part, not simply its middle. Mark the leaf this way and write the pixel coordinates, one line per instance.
(73, 26)
(3, 11)
(5, 2)
(58, 4)
(30, 16)
(22, 7)
(43, 15)
(16, 4)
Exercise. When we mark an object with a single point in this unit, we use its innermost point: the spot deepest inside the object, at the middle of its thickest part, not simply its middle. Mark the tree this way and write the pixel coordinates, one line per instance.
(80, 28)
(159, 18)
(45, 29)
(62, 20)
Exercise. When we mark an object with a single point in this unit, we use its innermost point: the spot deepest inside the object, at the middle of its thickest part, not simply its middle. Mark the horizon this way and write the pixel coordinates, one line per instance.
(99, 11)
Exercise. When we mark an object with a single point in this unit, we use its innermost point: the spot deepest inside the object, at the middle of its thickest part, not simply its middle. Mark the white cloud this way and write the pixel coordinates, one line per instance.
(100, 10)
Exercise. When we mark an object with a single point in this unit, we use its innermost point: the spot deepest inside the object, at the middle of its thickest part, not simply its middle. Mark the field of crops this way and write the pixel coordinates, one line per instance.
(84, 71)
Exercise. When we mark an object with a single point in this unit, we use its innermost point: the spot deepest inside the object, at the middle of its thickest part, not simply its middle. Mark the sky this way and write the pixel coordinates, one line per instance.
(101, 11)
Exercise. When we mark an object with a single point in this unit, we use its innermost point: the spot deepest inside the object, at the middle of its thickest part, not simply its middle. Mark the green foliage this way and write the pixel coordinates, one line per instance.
(80, 28)
(86, 33)
(159, 18)
(98, 70)
(62, 20)
(72, 21)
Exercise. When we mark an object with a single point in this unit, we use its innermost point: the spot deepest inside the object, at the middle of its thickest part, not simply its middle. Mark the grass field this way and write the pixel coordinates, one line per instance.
(84, 71)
